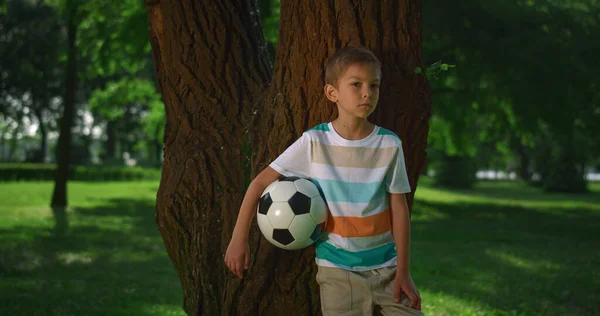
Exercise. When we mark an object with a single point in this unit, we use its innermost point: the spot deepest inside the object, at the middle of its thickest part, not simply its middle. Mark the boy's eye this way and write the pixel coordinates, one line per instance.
(374, 86)
(356, 84)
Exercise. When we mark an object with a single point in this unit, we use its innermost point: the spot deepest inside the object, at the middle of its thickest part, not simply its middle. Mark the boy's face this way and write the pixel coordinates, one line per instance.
(357, 91)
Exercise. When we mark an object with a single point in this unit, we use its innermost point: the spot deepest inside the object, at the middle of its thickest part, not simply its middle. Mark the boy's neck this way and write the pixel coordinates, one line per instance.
(353, 129)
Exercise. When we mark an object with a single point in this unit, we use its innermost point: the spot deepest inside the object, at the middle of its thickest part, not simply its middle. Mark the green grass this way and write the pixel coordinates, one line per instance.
(110, 260)
(502, 248)
(505, 248)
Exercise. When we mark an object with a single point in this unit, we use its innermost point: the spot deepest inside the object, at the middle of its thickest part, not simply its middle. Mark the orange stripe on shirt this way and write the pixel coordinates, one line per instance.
(347, 226)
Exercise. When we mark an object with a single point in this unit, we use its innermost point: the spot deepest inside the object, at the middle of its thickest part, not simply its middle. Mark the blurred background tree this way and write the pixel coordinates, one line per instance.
(523, 97)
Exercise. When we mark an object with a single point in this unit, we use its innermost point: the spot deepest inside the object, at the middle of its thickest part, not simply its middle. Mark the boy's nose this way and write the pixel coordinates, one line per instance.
(366, 93)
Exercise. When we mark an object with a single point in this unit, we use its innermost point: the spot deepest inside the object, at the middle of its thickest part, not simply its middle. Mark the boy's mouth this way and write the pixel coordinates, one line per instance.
(365, 104)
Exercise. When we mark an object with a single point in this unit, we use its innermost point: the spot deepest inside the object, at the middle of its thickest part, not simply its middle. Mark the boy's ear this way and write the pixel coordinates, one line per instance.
(331, 93)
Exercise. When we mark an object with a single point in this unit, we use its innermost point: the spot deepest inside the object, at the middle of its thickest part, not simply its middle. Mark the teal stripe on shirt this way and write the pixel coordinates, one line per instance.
(360, 259)
(321, 127)
(383, 131)
(352, 192)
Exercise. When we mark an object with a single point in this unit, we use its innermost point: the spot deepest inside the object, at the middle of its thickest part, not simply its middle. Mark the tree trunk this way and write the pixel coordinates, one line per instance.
(567, 170)
(43, 134)
(14, 154)
(2, 147)
(524, 172)
(213, 74)
(63, 149)
(111, 141)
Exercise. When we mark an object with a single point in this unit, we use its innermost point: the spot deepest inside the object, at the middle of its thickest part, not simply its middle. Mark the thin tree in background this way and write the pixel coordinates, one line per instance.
(63, 149)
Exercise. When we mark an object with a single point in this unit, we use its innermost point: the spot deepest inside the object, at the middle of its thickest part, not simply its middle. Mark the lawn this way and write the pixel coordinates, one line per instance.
(501, 249)
(111, 261)
(505, 248)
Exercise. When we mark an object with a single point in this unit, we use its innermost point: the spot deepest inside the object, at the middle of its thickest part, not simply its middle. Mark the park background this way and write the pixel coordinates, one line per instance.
(507, 209)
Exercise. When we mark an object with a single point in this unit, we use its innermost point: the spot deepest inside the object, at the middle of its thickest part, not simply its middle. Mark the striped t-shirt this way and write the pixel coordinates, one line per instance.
(355, 176)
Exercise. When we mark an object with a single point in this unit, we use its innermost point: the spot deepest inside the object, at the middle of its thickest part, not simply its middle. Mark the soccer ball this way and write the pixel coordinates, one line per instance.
(291, 213)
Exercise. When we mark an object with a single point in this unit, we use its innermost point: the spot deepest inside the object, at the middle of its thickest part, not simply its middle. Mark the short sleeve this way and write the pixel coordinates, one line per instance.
(396, 179)
(294, 161)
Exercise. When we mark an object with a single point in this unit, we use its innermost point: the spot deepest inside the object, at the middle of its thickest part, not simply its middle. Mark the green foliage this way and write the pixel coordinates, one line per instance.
(40, 172)
(154, 122)
(454, 171)
(434, 71)
(134, 107)
(113, 37)
(112, 100)
(560, 160)
(29, 80)
(269, 11)
(521, 64)
(270, 24)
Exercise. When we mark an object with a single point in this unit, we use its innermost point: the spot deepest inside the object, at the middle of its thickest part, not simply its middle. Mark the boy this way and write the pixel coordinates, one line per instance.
(361, 171)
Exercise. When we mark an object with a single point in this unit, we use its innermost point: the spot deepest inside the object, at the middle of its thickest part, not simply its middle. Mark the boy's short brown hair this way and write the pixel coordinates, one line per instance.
(343, 58)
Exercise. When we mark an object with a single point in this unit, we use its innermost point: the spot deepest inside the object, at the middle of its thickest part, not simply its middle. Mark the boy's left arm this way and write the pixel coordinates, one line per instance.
(401, 230)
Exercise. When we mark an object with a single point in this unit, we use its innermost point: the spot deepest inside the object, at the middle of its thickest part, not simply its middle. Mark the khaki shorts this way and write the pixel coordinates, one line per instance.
(354, 293)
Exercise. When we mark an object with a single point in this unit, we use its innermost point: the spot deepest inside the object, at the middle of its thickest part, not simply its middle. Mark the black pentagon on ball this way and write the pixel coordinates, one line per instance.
(299, 203)
(264, 204)
(290, 179)
(317, 232)
(283, 236)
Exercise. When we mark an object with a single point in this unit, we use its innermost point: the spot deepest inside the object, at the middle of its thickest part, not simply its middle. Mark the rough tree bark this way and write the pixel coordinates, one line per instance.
(218, 88)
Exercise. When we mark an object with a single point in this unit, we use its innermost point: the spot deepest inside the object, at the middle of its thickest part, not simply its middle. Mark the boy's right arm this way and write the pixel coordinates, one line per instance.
(237, 256)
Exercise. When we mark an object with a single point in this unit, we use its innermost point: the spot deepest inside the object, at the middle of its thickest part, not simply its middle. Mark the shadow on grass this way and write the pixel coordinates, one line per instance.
(110, 260)
(61, 225)
(512, 259)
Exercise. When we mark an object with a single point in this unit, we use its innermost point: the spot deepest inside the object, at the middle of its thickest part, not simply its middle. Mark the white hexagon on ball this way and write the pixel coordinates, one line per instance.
(265, 226)
(282, 191)
(318, 209)
(268, 188)
(302, 226)
(280, 215)
(306, 187)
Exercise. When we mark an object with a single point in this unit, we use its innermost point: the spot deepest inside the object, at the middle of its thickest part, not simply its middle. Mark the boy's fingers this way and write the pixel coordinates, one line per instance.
(238, 269)
(234, 270)
(413, 299)
(397, 295)
(241, 269)
(418, 303)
